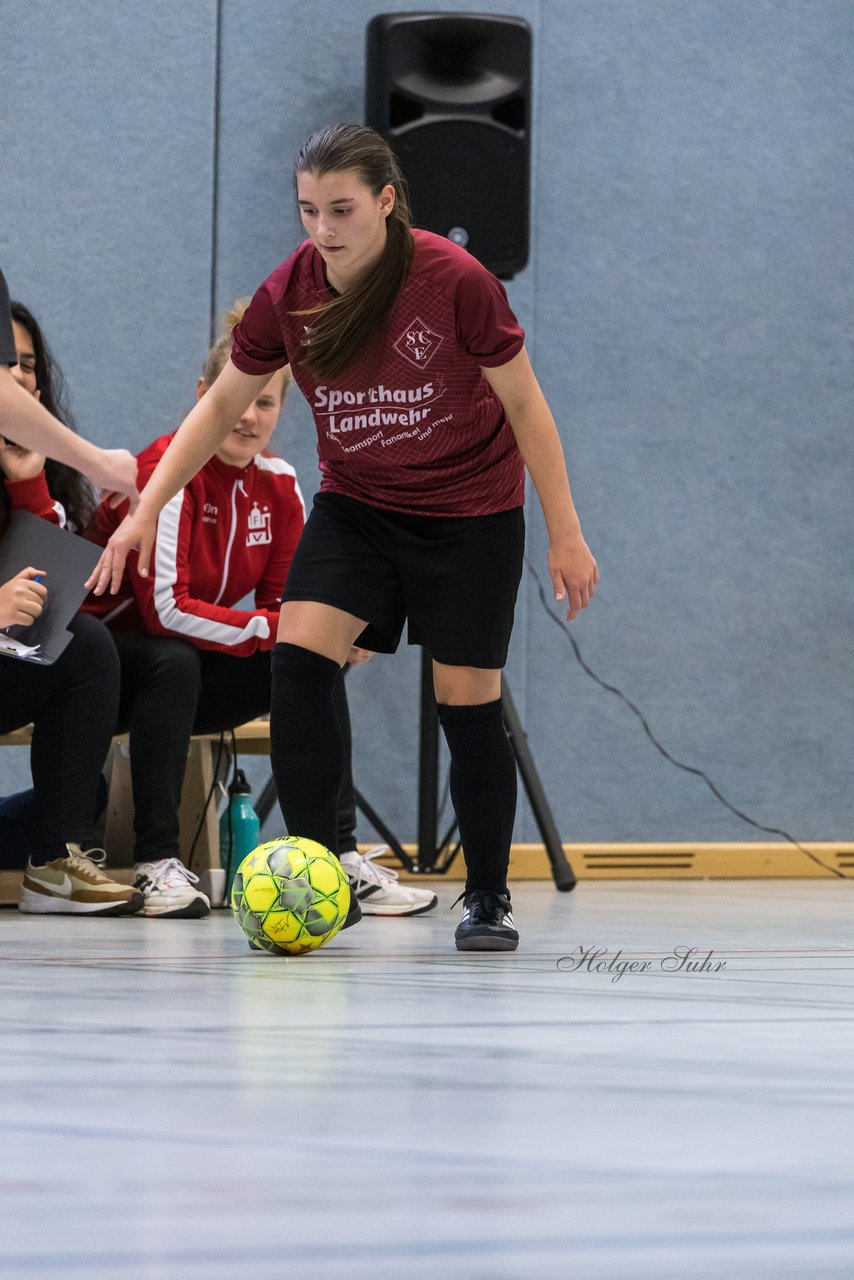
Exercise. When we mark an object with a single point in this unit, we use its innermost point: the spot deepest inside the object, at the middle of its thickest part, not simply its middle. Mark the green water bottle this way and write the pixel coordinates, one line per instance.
(239, 829)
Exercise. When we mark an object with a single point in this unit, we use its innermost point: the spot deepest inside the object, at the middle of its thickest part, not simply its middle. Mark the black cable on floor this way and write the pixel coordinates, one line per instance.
(686, 768)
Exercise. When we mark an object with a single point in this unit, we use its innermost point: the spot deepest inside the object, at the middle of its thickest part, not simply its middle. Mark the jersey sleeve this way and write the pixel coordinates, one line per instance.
(487, 329)
(257, 343)
(166, 605)
(33, 495)
(8, 354)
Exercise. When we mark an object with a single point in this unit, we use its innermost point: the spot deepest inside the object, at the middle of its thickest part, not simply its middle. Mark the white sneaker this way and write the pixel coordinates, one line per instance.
(167, 890)
(378, 890)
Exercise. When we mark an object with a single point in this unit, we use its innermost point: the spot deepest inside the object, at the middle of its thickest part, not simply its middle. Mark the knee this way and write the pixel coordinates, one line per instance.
(175, 666)
(465, 686)
(92, 652)
(160, 677)
(304, 668)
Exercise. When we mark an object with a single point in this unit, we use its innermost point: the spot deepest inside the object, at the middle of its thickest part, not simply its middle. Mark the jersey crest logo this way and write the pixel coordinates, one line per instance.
(259, 534)
(418, 344)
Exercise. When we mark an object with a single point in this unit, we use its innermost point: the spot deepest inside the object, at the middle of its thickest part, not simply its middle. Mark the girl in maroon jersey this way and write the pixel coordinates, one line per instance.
(194, 658)
(427, 412)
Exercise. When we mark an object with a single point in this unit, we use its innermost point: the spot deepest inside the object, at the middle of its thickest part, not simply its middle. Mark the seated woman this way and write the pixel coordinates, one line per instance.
(193, 660)
(71, 703)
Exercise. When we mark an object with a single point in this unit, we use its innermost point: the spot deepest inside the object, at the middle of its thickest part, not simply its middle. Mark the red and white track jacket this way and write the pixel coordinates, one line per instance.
(231, 532)
(33, 495)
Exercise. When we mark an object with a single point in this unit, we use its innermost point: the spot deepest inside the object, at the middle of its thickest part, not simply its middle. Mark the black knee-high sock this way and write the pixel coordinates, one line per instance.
(483, 789)
(306, 752)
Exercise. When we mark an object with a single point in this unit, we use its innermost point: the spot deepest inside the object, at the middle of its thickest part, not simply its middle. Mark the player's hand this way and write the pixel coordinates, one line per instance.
(22, 599)
(115, 474)
(574, 573)
(136, 532)
(17, 463)
(357, 656)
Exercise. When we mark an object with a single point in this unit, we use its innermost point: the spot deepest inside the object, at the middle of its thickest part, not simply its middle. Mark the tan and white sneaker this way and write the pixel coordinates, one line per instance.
(76, 885)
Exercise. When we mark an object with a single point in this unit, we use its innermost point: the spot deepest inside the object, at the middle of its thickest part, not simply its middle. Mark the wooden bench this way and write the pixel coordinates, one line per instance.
(195, 814)
(199, 844)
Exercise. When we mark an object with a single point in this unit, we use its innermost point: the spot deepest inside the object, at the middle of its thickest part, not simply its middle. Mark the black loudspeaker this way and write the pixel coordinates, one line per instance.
(451, 92)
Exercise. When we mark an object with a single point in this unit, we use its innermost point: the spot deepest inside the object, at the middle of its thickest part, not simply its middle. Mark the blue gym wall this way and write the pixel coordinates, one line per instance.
(687, 305)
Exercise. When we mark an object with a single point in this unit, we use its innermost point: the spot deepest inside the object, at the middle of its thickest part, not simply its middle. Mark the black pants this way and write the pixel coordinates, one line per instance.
(346, 796)
(72, 705)
(171, 690)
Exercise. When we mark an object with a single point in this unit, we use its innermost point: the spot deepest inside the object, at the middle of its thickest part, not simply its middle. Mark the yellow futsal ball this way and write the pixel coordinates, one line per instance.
(290, 895)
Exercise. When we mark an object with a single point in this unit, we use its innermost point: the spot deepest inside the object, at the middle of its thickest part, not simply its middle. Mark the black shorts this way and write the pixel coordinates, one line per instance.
(454, 578)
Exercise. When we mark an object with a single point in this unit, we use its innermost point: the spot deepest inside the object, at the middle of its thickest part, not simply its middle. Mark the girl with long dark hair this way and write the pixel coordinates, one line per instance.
(71, 498)
(72, 703)
(427, 412)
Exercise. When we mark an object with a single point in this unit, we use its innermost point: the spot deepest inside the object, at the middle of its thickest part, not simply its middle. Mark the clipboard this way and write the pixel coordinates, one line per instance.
(67, 561)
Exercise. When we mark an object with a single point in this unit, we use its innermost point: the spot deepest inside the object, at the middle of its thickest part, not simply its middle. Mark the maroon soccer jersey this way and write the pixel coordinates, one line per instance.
(412, 425)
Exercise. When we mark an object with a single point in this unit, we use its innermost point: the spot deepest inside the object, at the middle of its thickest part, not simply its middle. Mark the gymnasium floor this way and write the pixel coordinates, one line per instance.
(175, 1106)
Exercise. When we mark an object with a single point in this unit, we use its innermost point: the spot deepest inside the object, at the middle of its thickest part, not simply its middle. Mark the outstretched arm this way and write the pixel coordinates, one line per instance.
(197, 439)
(572, 568)
(27, 423)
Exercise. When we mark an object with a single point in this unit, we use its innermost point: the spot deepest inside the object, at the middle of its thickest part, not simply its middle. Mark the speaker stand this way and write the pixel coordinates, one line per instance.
(435, 857)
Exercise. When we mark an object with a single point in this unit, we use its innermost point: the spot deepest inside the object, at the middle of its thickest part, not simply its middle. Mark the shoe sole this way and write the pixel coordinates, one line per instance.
(484, 942)
(368, 910)
(195, 910)
(38, 904)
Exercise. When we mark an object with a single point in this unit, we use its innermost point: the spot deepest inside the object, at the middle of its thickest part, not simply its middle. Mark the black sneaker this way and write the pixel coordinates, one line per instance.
(487, 923)
(354, 915)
